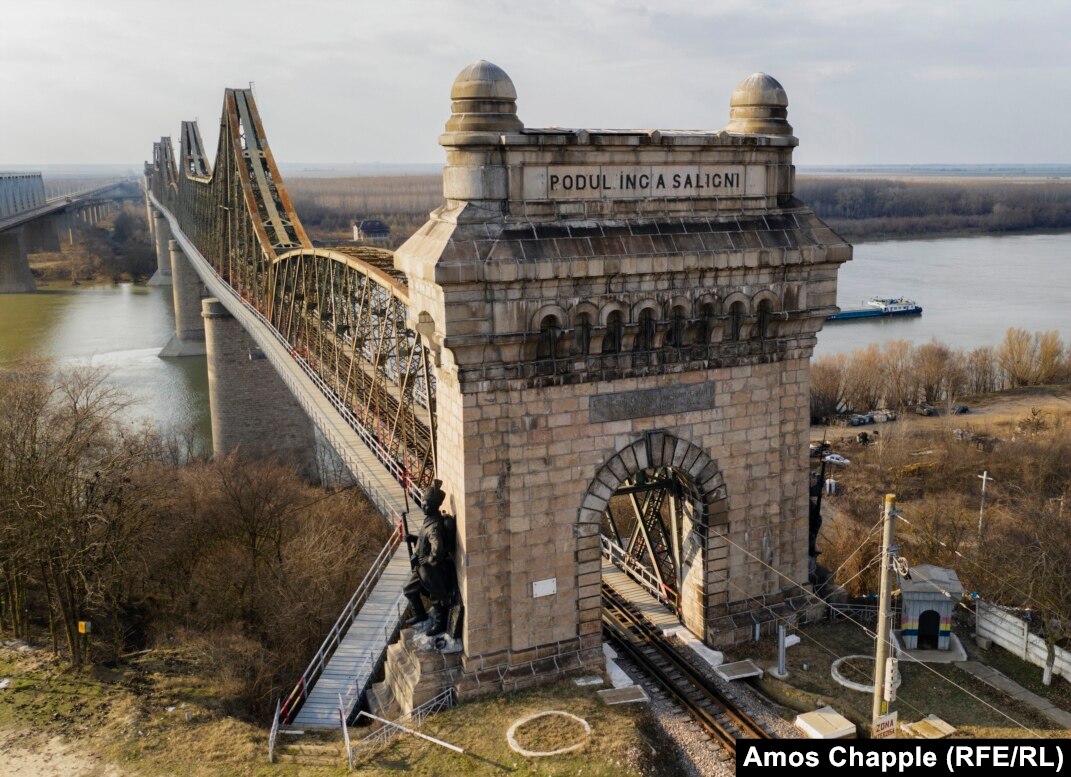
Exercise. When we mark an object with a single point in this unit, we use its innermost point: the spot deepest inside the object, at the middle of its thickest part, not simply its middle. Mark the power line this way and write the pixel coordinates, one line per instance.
(820, 644)
(969, 560)
(873, 635)
(866, 539)
(861, 571)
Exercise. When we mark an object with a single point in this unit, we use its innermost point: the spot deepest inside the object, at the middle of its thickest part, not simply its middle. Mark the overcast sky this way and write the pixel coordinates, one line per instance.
(868, 81)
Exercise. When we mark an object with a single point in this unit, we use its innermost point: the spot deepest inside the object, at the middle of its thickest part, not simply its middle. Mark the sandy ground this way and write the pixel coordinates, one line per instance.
(24, 756)
(986, 413)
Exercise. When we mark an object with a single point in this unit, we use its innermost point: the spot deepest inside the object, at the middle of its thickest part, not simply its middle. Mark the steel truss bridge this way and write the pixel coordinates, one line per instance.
(342, 313)
(61, 203)
(340, 317)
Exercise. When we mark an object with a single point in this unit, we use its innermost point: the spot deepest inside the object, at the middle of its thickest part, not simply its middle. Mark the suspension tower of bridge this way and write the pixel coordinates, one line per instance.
(622, 323)
(600, 344)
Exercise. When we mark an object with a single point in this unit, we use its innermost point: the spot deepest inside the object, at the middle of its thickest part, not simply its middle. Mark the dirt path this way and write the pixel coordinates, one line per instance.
(987, 413)
(22, 756)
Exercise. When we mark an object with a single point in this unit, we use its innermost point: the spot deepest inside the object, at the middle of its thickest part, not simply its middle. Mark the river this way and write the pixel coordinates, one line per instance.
(972, 289)
(121, 329)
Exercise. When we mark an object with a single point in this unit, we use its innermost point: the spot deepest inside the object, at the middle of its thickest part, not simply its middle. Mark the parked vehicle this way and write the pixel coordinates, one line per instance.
(925, 409)
(960, 409)
(818, 449)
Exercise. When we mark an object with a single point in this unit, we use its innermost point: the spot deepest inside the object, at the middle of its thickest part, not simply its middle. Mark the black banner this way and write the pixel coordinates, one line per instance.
(902, 756)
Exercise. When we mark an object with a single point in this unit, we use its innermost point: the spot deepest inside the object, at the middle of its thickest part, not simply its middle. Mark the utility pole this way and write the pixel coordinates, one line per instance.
(981, 510)
(888, 552)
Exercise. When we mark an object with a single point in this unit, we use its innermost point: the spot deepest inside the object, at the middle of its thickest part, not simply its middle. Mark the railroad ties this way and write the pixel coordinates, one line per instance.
(645, 645)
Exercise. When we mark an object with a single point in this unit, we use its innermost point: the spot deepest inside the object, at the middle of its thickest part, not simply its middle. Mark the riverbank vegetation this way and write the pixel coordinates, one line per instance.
(899, 374)
(1015, 548)
(117, 248)
(878, 209)
(106, 524)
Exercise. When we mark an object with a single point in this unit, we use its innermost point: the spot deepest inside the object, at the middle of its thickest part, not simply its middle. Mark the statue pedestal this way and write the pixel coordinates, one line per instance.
(414, 673)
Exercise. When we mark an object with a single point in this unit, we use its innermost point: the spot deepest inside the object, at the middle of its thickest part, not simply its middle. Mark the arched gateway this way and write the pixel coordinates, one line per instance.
(662, 509)
(619, 319)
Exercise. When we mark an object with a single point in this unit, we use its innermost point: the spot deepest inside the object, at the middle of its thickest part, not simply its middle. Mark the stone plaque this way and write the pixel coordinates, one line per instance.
(625, 182)
(644, 403)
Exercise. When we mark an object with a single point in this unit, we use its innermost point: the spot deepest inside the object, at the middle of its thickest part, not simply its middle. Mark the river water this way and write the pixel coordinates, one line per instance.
(971, 289)
(121, 329)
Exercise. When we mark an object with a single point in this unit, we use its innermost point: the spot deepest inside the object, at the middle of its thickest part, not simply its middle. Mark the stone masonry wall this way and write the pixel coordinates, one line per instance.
(603, 301)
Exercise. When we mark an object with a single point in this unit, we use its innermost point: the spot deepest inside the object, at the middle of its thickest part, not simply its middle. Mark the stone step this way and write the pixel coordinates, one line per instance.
(310, 760)
(293, 748)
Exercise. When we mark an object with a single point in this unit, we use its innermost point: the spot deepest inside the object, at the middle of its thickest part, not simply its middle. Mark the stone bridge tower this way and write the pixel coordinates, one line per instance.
(611, 309)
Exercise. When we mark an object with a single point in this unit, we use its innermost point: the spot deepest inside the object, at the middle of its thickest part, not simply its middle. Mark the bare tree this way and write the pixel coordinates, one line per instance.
(827, 385)
(75, 512)
(1017, 356)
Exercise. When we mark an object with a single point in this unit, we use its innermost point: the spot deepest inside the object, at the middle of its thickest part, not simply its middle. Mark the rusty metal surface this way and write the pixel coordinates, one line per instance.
(343, 310)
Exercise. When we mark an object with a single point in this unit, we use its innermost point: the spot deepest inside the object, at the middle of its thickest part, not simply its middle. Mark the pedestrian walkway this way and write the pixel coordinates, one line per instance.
(649, 607)
(1005, 684)
(354, 662)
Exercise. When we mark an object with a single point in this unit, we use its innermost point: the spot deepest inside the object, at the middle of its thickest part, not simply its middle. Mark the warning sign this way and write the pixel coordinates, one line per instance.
(885, 727)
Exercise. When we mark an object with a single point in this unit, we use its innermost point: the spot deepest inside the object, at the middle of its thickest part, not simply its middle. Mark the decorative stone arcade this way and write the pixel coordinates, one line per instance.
(605, 303)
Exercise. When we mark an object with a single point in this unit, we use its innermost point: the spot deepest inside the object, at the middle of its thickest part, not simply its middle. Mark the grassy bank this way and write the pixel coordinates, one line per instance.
(162, 713)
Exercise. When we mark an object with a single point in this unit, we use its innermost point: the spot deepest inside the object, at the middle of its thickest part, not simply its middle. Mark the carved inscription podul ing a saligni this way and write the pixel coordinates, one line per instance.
(587, 182)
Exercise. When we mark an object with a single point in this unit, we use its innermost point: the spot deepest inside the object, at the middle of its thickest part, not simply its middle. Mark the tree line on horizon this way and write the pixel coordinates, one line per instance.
(858, 208)
(863, 208)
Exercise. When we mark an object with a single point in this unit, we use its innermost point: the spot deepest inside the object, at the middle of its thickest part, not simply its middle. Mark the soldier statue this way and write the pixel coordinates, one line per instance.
(431, 552)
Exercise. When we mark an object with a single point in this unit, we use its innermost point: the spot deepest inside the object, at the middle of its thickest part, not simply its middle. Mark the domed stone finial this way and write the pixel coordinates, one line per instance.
(759, 106)
(484, 100)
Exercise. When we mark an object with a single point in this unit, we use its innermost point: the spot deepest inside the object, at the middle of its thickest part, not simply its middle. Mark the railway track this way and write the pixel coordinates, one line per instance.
(699, 697)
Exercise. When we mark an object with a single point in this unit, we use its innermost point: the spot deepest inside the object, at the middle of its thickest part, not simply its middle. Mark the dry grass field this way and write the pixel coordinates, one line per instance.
(329, 206)
(161, 714)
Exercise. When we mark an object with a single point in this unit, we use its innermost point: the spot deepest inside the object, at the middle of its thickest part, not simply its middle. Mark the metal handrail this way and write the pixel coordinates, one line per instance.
(367, 435)
(849, 609)
(342, 624)
(382, 735)
(617, 555)
(345, 733)
(352, 694)
(316, 665)
(274, 732)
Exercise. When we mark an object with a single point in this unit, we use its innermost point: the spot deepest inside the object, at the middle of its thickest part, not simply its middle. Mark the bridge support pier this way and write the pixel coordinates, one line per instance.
(252, 409)
(186, 286)
(42, 235)
(161, 232)
(15, 275)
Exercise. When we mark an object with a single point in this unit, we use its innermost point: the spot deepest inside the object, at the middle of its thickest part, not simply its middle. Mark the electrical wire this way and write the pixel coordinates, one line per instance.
(861, 571)
(866, 539)
(828, 649)
(971, 561)
(873, 635)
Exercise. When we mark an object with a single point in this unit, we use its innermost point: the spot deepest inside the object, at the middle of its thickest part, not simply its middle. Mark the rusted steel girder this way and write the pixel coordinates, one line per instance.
(344, 313)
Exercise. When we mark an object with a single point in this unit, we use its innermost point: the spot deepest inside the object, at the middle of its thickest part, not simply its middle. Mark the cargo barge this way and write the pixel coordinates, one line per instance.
(880, 306)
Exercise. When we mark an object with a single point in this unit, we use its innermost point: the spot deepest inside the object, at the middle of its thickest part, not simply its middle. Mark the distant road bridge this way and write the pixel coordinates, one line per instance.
(600, 343)
(30, 222)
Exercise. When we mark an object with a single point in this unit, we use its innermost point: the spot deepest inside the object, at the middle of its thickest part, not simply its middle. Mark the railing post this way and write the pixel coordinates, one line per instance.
(274, 732)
